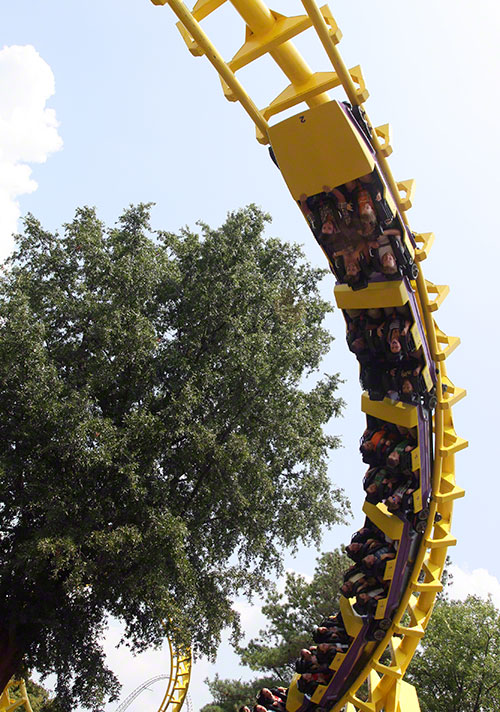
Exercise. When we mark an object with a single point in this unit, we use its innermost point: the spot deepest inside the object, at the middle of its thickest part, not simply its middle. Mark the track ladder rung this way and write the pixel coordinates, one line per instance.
(416, 631)
(362, 705)
(439, 292)
(452, 443)
(391, 670)
(448, 490)
(451, 394)
(408, 188)
(428, 586)
(441, 536)
(449, 343)
(424, 242)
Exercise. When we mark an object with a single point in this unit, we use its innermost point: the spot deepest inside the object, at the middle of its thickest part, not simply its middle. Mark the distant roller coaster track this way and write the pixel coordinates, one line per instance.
(360, 681)
(145, 686)
(344, 134)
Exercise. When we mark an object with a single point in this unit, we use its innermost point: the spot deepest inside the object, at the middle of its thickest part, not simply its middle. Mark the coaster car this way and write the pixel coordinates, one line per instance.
(328, 162)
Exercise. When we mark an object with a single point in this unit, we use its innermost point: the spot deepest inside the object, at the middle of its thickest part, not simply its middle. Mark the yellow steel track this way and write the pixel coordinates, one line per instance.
(9, 701)
(180, 674)
(268, 33)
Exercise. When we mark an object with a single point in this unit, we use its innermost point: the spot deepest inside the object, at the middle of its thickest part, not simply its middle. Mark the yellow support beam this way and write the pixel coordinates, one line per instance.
(424, 241)
(296, 94)
(356, 94)
(284, 28)
(384, 132)
(179, 678)
(14, 697)
(213, 56)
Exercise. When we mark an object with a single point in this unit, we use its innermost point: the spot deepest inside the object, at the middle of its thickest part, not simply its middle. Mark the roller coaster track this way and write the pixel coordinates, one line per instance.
(138, 690)
(377, 685)
(175, 695)
(178, 683)
(14, 697)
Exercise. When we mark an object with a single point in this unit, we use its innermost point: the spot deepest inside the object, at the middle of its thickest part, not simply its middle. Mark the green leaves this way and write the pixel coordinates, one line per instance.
(293, 616)
(457, 666)
(158, 448)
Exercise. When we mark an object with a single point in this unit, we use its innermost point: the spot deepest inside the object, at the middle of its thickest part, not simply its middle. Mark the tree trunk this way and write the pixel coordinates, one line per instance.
(10, 657)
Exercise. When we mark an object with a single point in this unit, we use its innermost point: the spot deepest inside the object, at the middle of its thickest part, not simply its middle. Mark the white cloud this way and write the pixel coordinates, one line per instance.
(28, 130)
(478, 582)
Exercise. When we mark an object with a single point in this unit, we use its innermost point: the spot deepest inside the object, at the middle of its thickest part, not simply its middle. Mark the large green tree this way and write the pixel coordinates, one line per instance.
(292, 617)
(457, 665)
(158, 447)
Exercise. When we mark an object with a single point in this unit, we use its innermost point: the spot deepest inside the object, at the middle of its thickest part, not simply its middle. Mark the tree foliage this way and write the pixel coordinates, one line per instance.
(293, 615)
(457, 665)
(158, 448)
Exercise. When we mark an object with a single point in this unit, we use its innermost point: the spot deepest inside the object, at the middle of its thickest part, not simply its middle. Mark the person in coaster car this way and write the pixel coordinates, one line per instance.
(352, 262)
(366, 601)
(330, 635)
(400, 456)
(376, 443)
(306, 662)
(344, 207)
(378, 484)
(374, 563)
(356, 550)
(360, 193)
(274, 699)
(408, 375)
(362, 338)
(354, 580)
(322, 219)
(327, 212)
(383, 252)
(308, 682)
(401, 499)
(392, 333)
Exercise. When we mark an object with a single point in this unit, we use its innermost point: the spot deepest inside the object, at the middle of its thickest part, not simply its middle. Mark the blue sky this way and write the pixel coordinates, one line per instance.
(108, 108)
